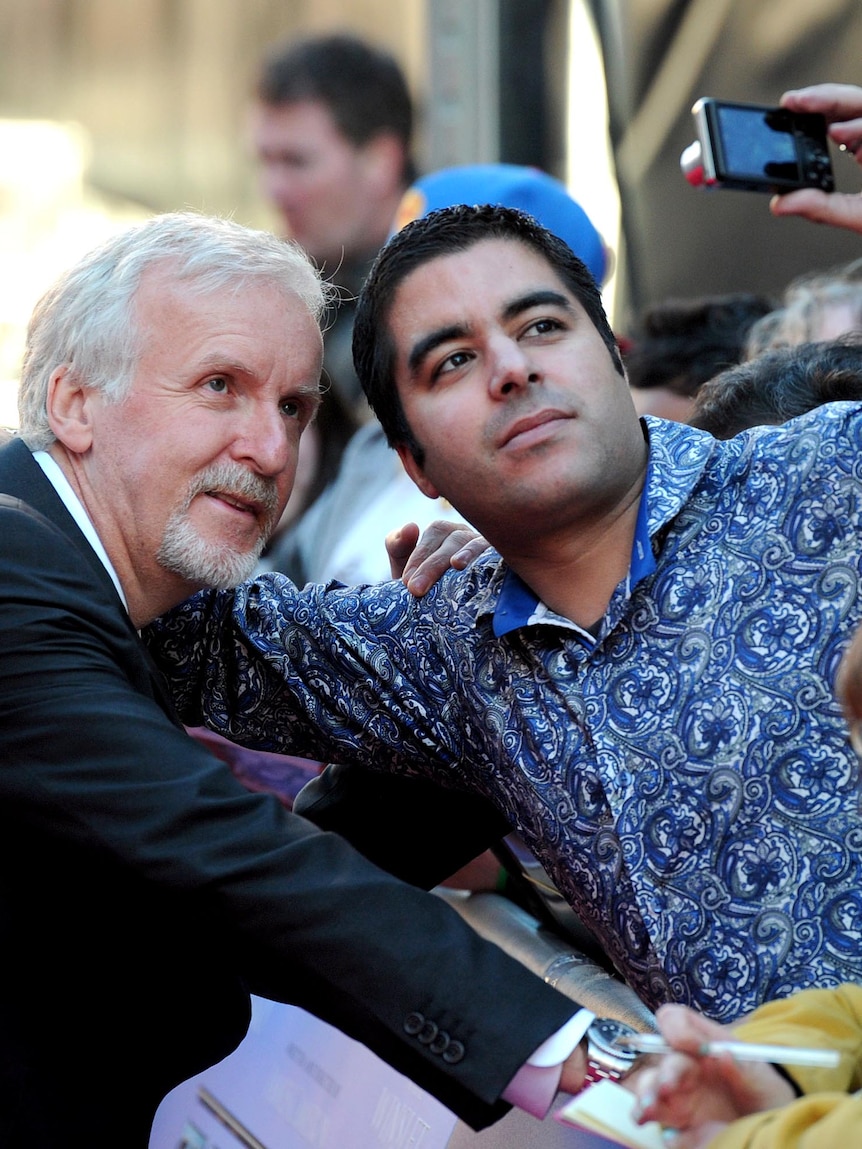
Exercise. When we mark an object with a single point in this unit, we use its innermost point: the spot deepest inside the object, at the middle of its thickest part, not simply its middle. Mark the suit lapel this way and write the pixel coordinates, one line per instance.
(23, 478)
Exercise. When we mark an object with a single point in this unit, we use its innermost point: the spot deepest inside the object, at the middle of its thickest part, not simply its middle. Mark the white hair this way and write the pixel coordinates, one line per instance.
(87, 320)
(805, 310)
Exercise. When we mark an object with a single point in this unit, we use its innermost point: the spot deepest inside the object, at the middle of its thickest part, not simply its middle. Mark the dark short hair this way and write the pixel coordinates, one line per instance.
(779, 385)
(363, 87)
(445, 232)
(680, 343)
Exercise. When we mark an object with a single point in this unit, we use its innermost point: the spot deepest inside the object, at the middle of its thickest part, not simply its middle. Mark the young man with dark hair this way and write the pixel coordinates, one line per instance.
(374, 351)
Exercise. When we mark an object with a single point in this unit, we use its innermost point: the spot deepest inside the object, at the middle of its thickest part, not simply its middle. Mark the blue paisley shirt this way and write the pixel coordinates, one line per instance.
(683, 773)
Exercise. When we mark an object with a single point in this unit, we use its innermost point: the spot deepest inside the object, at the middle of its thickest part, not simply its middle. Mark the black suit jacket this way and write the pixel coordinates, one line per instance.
(144, 892)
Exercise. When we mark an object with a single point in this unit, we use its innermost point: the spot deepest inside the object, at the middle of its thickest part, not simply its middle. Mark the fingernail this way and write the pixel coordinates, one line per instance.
(642, 1104)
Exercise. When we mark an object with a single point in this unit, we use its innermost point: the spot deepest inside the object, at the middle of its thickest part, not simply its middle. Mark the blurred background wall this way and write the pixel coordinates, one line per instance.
(161, 86)
(661, 55)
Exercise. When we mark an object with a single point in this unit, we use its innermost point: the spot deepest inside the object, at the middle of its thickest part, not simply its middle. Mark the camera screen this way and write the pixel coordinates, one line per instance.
(757, 143)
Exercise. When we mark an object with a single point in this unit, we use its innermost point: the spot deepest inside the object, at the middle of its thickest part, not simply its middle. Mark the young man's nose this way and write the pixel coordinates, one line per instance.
(510, 367)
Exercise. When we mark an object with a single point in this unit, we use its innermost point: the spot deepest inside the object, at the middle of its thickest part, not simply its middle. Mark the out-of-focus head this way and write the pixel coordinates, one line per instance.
(779, 385)
(511, 185)
(331, 126)
(822, 305)
(678, 344)
(88, 321)
(445, 232)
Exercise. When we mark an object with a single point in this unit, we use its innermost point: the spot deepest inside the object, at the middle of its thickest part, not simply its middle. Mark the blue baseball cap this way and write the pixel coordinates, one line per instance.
(510, 185)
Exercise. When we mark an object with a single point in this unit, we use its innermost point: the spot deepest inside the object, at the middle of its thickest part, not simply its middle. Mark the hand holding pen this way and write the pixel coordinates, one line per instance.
(702, 1083)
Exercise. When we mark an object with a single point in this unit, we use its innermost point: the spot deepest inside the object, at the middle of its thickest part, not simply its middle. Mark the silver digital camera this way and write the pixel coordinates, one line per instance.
(754, 148)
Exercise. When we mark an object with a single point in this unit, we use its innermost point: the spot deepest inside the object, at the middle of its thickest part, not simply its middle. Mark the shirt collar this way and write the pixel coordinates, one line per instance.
(75, 507)
(678, 455)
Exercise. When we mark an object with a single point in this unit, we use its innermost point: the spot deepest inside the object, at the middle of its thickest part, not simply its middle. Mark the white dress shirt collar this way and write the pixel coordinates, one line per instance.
(75, 507)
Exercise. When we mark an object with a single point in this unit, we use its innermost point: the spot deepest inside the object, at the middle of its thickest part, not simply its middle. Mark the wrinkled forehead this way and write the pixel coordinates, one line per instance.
(298, 291)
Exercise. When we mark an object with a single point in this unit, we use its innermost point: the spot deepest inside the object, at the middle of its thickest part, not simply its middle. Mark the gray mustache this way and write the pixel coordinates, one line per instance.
(236, 480)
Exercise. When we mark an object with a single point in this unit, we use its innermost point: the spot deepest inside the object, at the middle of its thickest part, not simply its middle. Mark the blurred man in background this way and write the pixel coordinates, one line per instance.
(331, 126)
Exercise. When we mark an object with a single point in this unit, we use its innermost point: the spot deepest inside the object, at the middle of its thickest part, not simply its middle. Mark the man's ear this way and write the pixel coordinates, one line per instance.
(69, 407)
(383, 156)
(416, 473)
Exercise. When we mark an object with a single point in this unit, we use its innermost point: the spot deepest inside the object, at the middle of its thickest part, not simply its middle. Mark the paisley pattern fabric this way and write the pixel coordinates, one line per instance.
(685, 775)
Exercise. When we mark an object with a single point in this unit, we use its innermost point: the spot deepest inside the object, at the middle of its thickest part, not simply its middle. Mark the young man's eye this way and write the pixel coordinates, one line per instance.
(452, 362)
(545, 326)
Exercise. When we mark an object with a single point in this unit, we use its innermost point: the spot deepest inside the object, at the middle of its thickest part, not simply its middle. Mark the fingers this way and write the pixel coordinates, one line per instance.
(644, 1084)
(841, 104)
(443, 544)
(834, 101)
(420, 561)
(848, 135)
(471, 550)
(837, 209)
(667, 1092)
(688, 1030)
(400, 545)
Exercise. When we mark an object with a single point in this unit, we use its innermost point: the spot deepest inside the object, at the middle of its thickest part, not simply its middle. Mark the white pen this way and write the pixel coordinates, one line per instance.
(740, 1050)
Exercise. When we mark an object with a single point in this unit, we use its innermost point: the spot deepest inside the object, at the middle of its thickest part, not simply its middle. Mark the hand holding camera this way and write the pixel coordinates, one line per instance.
(783, 151)
(841, 107)
(755, 148)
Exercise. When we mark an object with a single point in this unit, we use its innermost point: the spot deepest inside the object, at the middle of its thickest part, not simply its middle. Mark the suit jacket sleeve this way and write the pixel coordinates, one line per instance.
(409, 825)
(93, 765)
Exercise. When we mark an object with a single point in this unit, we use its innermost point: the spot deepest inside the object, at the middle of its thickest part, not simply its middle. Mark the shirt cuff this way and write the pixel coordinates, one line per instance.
(535, 1085)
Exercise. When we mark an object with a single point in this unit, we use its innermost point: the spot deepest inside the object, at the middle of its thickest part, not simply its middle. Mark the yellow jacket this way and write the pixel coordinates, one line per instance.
(829, 1116)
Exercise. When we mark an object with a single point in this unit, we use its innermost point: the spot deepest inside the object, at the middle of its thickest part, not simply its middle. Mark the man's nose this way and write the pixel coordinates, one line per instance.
(511, 368)
(277, 185)
(262, 442)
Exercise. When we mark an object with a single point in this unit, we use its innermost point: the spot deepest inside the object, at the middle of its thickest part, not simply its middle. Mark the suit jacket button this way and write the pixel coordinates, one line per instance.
(454, 1052)
(440, 1043)
(413, 1023)
(428, 1033)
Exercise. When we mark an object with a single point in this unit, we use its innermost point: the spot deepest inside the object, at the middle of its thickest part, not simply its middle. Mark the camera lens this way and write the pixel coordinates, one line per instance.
(691, 162)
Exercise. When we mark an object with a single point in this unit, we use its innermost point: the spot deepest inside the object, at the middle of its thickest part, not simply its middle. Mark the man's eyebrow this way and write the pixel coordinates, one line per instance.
(542, 297)
(424, 346)
(219, 365)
